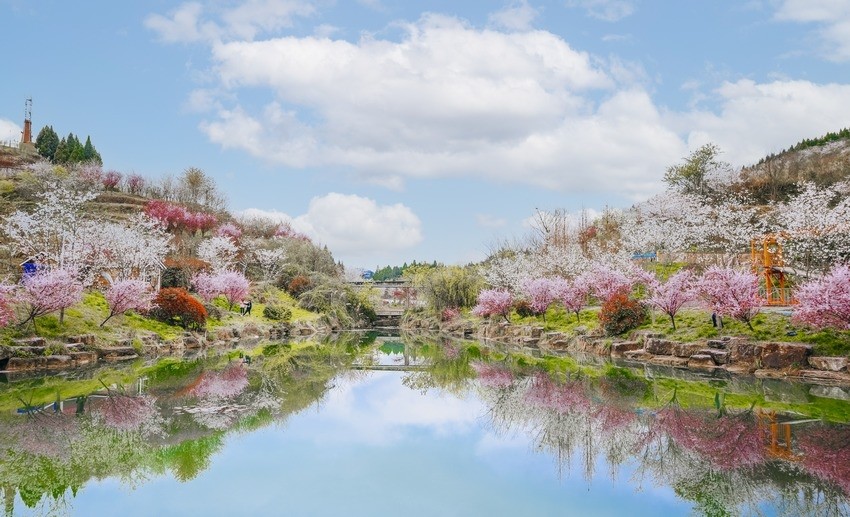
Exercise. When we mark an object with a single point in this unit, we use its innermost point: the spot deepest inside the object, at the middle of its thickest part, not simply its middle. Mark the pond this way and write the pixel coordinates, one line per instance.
(367, 425)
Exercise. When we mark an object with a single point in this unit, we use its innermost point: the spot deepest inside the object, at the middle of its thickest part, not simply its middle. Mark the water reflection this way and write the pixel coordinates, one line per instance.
(720, 448)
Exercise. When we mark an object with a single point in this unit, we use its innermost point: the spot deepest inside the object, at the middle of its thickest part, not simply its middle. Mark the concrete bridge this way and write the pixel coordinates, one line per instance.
(390, 299)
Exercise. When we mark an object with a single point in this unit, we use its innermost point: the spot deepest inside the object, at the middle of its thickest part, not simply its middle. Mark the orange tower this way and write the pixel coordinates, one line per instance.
(27, 133)
(766, 256)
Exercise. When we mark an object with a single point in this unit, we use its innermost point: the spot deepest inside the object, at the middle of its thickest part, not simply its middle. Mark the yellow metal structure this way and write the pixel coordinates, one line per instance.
(766, 256)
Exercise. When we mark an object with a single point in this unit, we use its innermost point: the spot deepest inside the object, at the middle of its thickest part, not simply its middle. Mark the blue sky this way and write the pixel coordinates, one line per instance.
(400, 130)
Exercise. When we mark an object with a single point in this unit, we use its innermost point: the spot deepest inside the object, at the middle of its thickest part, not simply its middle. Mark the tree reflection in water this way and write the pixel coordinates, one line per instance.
(720, 460)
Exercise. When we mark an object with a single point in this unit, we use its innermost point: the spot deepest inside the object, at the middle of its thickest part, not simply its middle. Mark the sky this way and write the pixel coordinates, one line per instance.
(400, 130)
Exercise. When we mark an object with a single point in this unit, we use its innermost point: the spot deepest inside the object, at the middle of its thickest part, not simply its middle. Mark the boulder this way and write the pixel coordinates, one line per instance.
(22, 364)
(83, 358)
(58, 362)
(719, 356)
(830, 392)
(30, 341)
(784, 355)
(669, 360)
(116, 351)
(658, 346)
(743, 353)
(686, 349)
(625, 346)
(86, 339)
(701, 362)
(829, 364)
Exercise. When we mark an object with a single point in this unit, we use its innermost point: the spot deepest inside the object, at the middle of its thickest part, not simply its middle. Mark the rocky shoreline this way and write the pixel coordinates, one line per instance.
(723, 356)
(37, 354)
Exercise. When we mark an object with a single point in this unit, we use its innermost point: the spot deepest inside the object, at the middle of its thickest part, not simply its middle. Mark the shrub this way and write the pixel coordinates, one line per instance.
(449, 314)
(175, 302)
(299, 285)
(278, 313)
(620, 314)
(523, 309)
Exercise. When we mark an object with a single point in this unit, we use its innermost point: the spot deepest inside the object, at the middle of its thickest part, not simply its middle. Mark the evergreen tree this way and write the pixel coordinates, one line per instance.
(47, 142)
(90, 154)
(62, 152)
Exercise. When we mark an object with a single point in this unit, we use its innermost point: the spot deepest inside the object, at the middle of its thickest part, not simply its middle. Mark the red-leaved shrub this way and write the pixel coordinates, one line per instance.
(176, 302)
(620, 314)
(298, 285)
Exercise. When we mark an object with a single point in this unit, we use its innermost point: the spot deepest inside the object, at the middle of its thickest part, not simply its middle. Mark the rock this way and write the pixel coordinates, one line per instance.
(83, 358)
(742, 353)
(830, 392)
(659, 346)
(686, 349)
(741, 368)
(536, 332)
(766, 373)
(669, 360)
(58, 362)
(830, 364)
(716, 343)
(116, 351)
(625, 346)
(784, 355)
(22, 364)
(719, 356)
(26, 351)
(192, 341)
(638, 355)
(30, 341)
(701, 362)
(820, 375)
(86, 339)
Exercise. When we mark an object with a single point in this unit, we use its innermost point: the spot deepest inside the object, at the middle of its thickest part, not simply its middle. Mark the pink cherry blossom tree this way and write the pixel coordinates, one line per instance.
(135, 183)
(48, 292)
(540, 293)
(111, 180)
(224, 384)
(730, 292)
(125, 295)
(825, 302)
(493, 302)
(207, 285)
(573, 295)
(229, 230)
(234, 286)
(606, 282)
(673, 294)
(493, 375)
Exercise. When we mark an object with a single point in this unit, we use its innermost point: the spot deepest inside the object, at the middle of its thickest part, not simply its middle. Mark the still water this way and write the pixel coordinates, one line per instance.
(390, 426)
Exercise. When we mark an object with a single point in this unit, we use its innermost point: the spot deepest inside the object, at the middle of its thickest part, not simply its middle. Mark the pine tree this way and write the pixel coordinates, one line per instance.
(62, 152)
(90, 154)
(46, 142)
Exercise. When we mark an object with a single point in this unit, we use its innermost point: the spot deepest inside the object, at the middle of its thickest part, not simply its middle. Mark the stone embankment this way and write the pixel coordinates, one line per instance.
(37, 354)
(735, 355)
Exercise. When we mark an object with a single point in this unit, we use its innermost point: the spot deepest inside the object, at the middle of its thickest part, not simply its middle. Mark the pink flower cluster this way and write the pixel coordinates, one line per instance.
(111, 180)
(493, 375)
(125, 295)
(50, 291)
(826, 454)
(541, 292)
(825, 302)
(730, 292)
(563, 398)
(232, 284)
(673, 294)
(7, 314)
(225, 384)
(175, 217)
(128, 413)
(493, 302)
(229, 230)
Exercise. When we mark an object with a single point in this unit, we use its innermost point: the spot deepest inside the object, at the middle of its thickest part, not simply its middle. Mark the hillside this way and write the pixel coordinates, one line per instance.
(823, 161)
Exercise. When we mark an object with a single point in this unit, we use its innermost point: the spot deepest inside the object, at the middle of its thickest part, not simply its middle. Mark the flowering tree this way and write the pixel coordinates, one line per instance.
(269, 261)
(229, 230)
(493, 302)
(825, 302)
(135, 184)
(125, 295)
(234, 286)
(606, 282)
(730, 292)
(111, 180)
(206, 285)
(493, 375)
(218, 252)
(815, 227)
(540, 293)
(573, 295)
(673, 294)
(128, 413)
(48, 292)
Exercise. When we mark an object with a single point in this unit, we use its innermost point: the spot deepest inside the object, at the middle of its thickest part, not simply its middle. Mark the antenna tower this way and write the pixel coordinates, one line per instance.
(27, 134)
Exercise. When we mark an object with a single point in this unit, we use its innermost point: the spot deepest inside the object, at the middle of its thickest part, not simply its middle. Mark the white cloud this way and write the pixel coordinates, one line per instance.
(607, 10)
(517, 16)
(833, 17)
(245, 20)
(10, 133)
(753, 117)
(352, 226)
